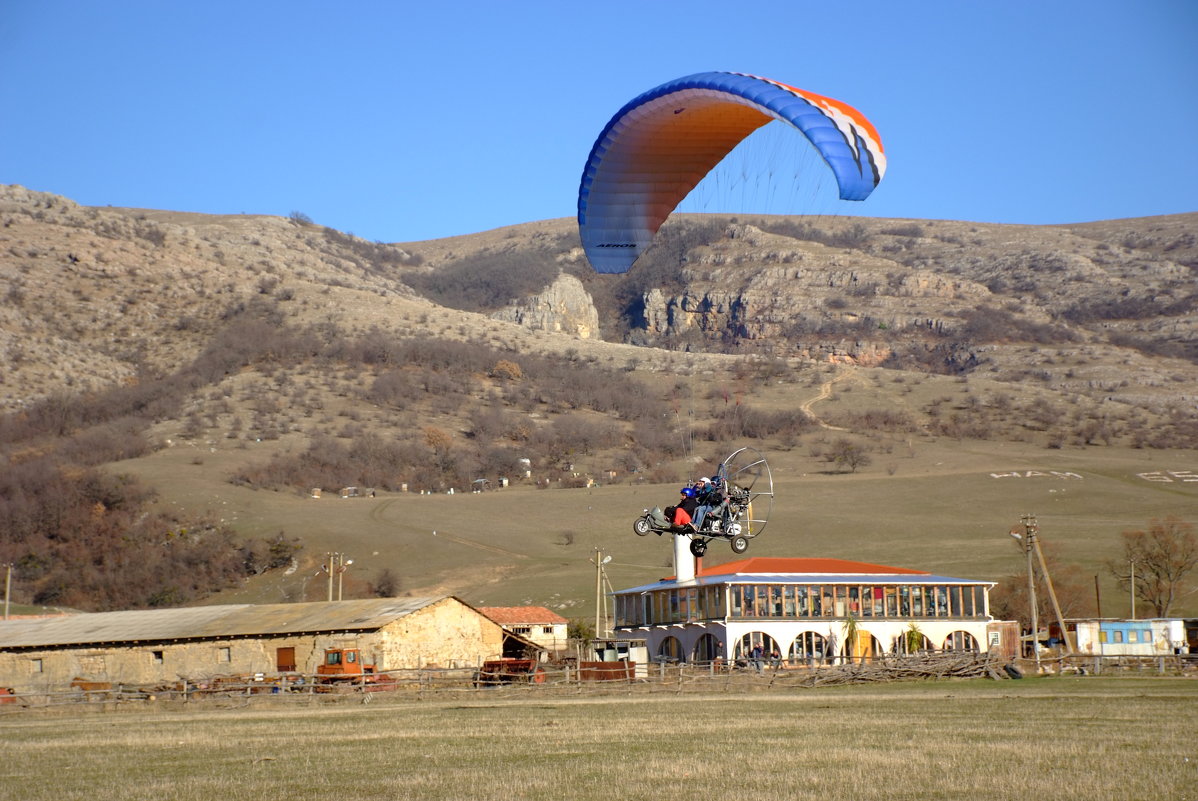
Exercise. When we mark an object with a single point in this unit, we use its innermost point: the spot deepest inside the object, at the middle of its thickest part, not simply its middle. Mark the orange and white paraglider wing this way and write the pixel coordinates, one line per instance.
(661, 144)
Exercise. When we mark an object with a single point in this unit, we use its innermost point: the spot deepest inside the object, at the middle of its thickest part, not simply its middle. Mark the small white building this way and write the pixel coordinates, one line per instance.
(1155, 637)
(542, 626)
(809, 610)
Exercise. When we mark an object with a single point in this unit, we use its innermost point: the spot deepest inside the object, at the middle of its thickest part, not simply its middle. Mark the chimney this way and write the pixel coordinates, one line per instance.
(684, 560)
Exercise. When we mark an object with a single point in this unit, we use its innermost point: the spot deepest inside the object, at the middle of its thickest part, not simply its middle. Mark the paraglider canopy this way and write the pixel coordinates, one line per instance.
(660, 145)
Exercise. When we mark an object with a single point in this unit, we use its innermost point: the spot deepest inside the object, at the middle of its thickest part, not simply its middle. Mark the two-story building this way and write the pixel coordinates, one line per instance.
(808, 610)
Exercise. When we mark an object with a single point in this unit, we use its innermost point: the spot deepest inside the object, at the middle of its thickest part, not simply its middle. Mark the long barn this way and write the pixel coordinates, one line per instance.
(197, 643)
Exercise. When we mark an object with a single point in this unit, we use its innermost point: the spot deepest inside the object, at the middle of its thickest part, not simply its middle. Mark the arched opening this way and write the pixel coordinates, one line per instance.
(961, 641)
(911, 641)
(808, 648)
(670, 650)
(862, 647)
(756, 650)
(708, 649)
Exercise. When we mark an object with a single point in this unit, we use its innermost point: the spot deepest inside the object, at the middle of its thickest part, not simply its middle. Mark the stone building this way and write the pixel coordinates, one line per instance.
(198, 643)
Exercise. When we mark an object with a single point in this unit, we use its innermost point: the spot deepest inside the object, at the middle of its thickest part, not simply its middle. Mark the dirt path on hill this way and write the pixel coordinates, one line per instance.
(825, 392)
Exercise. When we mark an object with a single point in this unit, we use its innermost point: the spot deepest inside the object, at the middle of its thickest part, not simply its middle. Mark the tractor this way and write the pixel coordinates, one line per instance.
(345, 666)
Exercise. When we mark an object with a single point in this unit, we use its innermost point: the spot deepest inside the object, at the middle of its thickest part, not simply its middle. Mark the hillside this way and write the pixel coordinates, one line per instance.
(215, 369)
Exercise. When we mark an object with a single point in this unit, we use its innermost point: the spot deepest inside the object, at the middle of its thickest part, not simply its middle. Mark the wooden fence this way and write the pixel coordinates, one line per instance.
(656, 678)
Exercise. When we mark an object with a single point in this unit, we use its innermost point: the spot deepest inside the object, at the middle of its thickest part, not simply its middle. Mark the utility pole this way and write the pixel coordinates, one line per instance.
(1032, 530)
(337, 565)
(600, 606)
(7, 588)
(1026, 542)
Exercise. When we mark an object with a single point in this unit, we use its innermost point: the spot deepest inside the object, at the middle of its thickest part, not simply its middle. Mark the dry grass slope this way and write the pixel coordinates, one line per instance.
(269, 335)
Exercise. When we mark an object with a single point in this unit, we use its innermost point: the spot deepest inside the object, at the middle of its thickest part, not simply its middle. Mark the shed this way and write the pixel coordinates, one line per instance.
(196, 643)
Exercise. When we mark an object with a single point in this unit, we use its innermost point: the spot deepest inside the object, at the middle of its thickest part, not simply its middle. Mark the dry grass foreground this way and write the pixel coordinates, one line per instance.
(1043, 738)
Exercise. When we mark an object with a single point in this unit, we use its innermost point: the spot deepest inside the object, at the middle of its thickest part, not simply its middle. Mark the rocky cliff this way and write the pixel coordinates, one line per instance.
(564, 307)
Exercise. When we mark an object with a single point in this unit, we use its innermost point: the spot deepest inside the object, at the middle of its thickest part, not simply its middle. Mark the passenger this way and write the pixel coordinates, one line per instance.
(708, 496)
(680, 516)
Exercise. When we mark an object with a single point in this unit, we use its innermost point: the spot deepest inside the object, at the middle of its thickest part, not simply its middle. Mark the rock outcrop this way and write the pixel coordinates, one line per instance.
(563, 307)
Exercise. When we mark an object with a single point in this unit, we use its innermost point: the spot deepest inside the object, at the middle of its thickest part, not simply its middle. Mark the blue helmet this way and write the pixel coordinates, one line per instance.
(688, 492)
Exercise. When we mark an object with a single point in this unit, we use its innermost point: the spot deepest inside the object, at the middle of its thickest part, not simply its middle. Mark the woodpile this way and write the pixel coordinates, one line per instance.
(930, 666)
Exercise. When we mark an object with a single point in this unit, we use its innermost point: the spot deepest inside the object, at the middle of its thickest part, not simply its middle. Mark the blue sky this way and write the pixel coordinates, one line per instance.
(400, 122)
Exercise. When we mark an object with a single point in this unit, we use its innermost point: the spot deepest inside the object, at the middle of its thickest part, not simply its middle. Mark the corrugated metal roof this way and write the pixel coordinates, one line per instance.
(208, 622)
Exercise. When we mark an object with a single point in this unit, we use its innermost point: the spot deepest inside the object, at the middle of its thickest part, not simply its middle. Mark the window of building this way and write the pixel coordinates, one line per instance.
(36, 666)
(917, 601)
(750, 594)
(960, 641)
(715, 602)
(670, 650)
(808, 648)
(224, 654)
(157, 657)
(1102, 636)
(1118, 636)
(547, 630)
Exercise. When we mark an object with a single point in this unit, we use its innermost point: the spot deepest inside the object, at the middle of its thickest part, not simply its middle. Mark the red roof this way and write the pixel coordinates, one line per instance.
(518, 615)
(771, 565)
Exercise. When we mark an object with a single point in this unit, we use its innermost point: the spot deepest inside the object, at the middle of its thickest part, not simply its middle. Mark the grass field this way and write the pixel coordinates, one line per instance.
(1044, 738)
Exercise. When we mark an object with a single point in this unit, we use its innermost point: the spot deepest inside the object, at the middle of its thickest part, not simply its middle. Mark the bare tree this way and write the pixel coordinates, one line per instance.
(1158, 561)
(846, 453)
